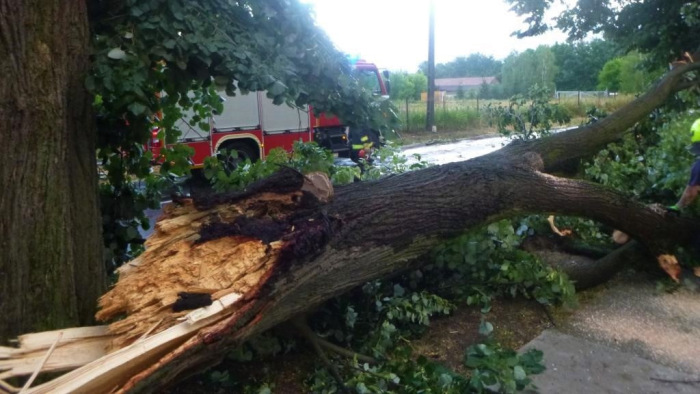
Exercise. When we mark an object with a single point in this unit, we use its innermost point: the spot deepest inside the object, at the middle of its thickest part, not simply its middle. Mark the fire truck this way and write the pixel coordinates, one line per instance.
(252, 125)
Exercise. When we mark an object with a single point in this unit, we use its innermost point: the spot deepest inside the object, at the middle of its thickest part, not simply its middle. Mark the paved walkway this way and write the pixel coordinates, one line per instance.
(625, 338)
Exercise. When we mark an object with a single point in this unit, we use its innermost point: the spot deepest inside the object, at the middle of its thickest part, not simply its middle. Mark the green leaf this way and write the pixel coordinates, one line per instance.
(398, 290)
(519, 373)
(137, 108)
(485, 328)
(445, 380)
(277, 88)
(116, 54)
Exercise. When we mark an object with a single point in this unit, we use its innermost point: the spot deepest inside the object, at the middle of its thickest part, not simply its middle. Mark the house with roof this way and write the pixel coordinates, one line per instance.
(451, 85)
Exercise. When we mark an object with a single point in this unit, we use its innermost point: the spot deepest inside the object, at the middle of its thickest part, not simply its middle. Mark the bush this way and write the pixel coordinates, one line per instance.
(654, 167)
(579, 108)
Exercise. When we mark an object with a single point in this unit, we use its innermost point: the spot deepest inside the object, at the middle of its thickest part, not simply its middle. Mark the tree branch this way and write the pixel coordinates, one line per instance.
(585, 141)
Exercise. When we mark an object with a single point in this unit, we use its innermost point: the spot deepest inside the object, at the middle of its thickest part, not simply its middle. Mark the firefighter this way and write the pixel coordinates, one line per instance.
(362, 141)
(693, 188)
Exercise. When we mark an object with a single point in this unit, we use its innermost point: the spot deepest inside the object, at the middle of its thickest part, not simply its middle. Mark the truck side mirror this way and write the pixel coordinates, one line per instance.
(387, 83)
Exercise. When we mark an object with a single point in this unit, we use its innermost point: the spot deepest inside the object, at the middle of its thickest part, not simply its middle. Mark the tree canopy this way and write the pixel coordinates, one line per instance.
(625, 74)
(408, 86)
(579, 63)
(531, 67)
(662, 28)
(474, 65)
(191, 52)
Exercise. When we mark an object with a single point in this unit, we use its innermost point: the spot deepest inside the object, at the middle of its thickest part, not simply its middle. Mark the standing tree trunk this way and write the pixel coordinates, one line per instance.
(51, 269)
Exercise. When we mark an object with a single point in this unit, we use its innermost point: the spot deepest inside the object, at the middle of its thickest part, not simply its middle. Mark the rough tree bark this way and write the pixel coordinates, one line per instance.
(50, 245)
(275, 252)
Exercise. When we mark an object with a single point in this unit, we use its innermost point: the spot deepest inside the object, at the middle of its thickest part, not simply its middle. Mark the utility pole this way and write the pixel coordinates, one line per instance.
(430, 114)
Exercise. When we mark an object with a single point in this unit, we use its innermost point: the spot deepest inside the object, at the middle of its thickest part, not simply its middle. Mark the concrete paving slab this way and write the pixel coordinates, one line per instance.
(576, 365)
(629, 314)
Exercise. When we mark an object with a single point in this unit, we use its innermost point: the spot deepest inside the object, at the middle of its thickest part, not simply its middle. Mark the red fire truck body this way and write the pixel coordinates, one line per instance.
(252, 125)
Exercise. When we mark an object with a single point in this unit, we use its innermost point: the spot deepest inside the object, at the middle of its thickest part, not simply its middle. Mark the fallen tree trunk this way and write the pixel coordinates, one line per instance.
(585, 267)
(263, 256)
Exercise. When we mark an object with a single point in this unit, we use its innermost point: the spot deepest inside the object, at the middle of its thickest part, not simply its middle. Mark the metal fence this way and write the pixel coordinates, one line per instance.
(584, 95)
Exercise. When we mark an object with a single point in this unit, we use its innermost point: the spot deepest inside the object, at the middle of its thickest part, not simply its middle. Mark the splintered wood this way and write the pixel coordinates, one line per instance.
(177, 259)
(75, 347)
(202, 265)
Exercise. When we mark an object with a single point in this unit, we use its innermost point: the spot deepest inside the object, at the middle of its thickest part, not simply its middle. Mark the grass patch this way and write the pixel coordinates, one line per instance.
(468, 118)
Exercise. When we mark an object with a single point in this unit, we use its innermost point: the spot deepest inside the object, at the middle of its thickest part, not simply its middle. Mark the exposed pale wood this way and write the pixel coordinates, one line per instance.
(318, 184)
(77, 347)
(111, 370)
(67, 356)
(669, 263)
(41, 364)
(42, 340)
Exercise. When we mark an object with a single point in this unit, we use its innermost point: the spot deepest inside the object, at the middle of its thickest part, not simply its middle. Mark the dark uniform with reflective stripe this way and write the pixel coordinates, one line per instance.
(360, 139)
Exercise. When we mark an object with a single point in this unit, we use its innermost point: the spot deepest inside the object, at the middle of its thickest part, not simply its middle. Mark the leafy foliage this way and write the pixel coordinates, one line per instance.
(651, 167)
(406, 86)
(522, 71)
(382, 315)
(389, 160)
(664, 29)
(403, 375)
(306, 158)
(155, 60)
(625, 74)
(476, 267)
(474, 65)
(528, 117)
(495, 369)
(578, 64)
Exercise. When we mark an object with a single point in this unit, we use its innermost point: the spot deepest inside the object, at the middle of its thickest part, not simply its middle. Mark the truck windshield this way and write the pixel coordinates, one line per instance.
(369, 79)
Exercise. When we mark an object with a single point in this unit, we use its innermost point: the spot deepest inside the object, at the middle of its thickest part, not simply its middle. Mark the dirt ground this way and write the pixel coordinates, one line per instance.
(515, 323)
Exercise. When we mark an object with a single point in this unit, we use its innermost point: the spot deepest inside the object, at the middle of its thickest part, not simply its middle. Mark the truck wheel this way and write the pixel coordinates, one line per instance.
(244, 151)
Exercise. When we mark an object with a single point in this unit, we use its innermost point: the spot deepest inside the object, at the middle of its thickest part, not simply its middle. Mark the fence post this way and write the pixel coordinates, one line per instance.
(578, 101)
(408, 125)
(477, 103)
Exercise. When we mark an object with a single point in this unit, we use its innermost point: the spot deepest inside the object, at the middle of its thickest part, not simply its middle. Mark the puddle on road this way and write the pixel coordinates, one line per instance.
(458, 151)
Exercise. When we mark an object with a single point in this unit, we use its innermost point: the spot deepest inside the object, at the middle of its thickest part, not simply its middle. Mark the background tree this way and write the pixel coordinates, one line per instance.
(663, 29)
(460, 93)
(474, 65)
(609, 76)
(420, 84)
(625, 74)
(485, 91)
(408, 86)
(532, 67)
(578, 64)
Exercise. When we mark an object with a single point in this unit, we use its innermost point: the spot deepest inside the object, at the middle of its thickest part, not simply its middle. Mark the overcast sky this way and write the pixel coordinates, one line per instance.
(394, 33)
